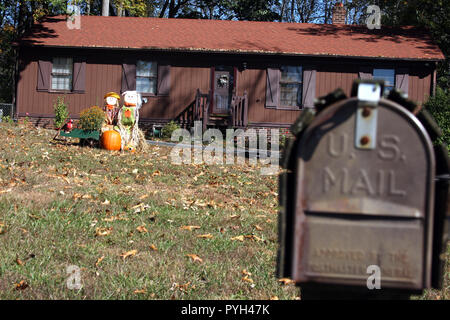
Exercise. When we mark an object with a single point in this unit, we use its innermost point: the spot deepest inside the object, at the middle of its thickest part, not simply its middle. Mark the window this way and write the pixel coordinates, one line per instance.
(291, 86)
(388, 75)
(62, 74)
(146, 76)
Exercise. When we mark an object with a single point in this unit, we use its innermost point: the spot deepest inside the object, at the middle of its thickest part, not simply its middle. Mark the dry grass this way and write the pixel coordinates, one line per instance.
(55, 197)
(63, 205)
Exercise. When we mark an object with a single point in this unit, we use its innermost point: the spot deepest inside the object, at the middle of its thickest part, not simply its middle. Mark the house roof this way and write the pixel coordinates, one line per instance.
(235, 37)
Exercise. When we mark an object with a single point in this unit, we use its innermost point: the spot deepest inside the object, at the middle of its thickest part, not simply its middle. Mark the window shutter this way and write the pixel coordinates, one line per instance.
(402, 80)
(44, 75)
(79, 76)
(128, 77)
(309, 87)
(273, 88)
(163, 80)
(365, 73)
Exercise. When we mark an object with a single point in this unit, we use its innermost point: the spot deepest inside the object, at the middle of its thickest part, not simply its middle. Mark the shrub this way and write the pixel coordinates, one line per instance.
(61, 112)
(439, 107)
(7, 119)
(91, 118)
(169, 128)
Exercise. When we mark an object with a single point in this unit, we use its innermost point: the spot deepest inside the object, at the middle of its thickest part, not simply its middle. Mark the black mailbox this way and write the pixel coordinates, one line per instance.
(359, 194)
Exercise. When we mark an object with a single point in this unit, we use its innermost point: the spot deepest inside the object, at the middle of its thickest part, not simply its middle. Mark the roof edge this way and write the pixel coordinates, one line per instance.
(246, 52)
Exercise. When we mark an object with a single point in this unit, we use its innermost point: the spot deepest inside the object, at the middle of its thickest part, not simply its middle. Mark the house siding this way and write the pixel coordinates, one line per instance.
(189, 72)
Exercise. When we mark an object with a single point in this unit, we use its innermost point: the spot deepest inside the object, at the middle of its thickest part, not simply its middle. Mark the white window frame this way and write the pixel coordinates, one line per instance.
(299, 84)
(66, 72)
(153, 74)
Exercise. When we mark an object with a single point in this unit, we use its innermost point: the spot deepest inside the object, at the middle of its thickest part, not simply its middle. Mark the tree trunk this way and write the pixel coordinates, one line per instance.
(105, 8)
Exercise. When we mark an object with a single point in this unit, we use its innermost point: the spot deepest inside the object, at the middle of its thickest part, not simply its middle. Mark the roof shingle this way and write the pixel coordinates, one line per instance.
(236, 36)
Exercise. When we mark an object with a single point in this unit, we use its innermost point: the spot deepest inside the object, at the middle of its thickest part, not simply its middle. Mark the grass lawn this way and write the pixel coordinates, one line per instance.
(137, 226)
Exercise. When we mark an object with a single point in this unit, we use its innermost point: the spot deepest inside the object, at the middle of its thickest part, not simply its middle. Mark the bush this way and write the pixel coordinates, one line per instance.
(61, 112)
(439, 107)
(7, 119)
(92, 118)
(169, 128)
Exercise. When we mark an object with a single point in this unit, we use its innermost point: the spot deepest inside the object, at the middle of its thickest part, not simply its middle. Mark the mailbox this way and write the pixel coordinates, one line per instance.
(359, 194)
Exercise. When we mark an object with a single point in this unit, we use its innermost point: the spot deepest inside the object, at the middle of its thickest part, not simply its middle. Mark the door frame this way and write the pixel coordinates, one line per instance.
(233, 72)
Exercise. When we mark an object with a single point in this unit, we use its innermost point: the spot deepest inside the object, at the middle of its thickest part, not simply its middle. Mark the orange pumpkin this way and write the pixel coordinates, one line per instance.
(111, 140)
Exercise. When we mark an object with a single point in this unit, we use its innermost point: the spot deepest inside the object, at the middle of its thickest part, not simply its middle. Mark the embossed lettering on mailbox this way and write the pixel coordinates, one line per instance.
(360, 207)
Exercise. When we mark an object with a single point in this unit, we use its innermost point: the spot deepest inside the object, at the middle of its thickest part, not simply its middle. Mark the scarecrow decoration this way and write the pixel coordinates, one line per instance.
(132, 138)
(111, 109)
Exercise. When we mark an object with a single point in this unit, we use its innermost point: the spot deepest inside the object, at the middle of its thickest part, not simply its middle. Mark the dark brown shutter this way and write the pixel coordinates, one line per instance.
(44, 75)
(309, 87)
(402, 79)
(163, 80)
(366, 73)
(128, 76)
(273, 88)
(79, 76)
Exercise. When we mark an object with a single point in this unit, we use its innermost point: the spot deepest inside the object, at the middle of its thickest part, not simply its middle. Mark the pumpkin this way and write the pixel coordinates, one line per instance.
(111, 140)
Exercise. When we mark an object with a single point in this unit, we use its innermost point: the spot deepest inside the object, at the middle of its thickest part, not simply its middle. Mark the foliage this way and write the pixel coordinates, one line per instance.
(92, 118)
(169, 128)
(61, 112)
(7, 119)
(439, 106)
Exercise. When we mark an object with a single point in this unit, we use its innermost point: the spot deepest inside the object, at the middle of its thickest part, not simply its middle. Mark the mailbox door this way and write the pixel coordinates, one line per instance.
(359, 207)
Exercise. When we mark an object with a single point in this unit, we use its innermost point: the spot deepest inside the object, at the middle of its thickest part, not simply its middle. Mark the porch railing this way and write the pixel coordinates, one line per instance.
(239, 110)
(197, 110)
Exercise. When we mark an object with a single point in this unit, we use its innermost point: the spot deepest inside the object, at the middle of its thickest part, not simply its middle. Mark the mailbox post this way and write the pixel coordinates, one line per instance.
(358, 205)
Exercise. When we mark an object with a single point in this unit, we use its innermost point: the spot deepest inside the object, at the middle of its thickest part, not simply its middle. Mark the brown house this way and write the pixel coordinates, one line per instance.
(225, 73)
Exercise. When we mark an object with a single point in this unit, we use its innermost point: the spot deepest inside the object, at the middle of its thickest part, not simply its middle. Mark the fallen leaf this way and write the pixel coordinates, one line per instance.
(141, 291)
(205, 236)
(101, 232)
(258, 228)
(238, 238)
(128, 254)
(190, 228)
(6, 190)
(274, 298)
(19, 262)
(2, 228)
(99, 260)
(22, 285)
(286, 281)
(181, 287)
(106, 202)
(143, 197)
(153, 247)
(246, 273)
(247, 279)
(195, 257)
(156, 173)
(142, 229)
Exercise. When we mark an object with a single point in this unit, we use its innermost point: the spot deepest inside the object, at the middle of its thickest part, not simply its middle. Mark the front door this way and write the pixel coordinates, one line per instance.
(223, 87)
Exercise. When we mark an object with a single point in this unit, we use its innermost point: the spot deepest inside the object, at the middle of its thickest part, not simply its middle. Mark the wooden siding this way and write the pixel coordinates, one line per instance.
(254, 82)
(419, 87)
(330, 77)
(191, 72)
(105, 77)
